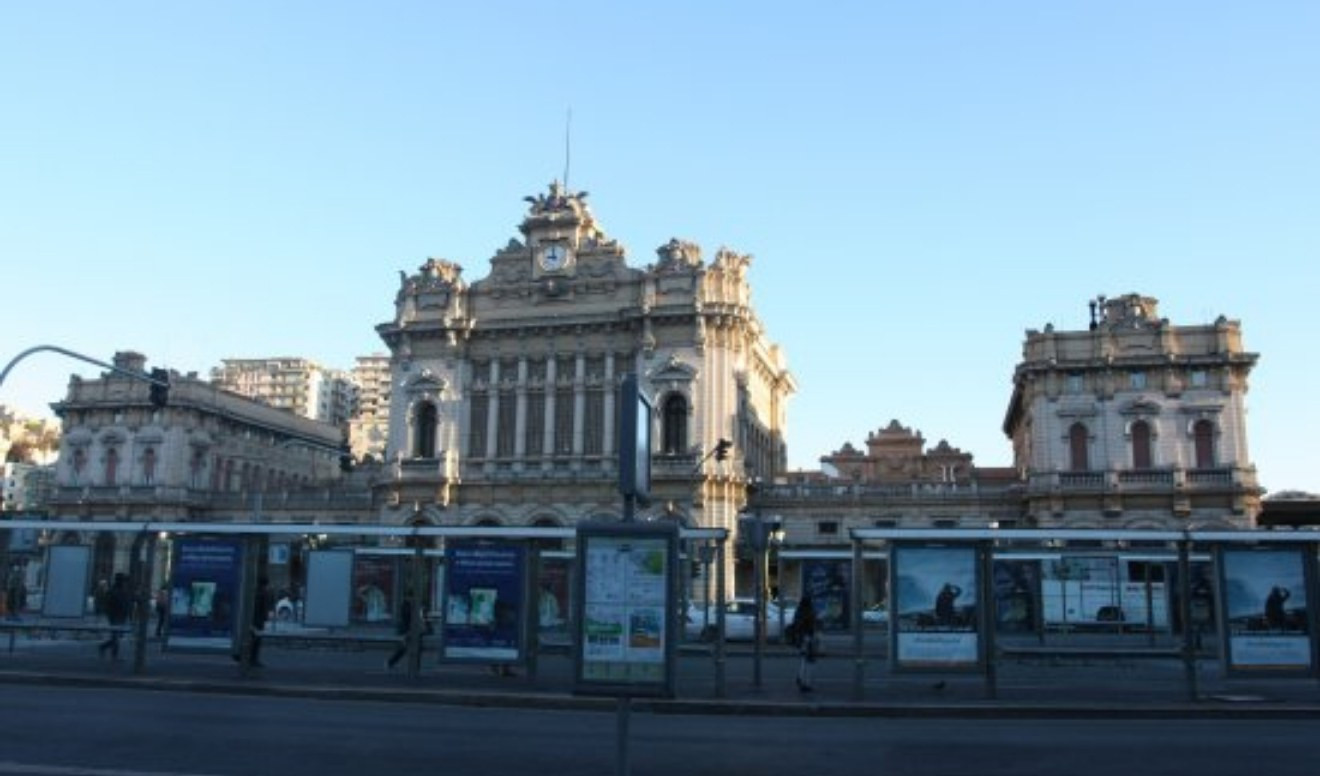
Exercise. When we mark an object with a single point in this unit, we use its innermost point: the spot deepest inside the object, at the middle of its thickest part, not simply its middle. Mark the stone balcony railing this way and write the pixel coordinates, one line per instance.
(1138, 480)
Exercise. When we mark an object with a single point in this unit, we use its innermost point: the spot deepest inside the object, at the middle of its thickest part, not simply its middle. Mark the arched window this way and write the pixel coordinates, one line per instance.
(149, 466)
(424, 421)
(1204, 434)
(1078, 441)
(1141, 445)
(111, 466)
(674, 440)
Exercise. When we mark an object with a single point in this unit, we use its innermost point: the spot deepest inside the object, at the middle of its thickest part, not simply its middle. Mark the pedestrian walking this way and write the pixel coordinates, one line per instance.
(118, 603)
(162, 610)
(403, 628)
(261, 605)
(805, 629)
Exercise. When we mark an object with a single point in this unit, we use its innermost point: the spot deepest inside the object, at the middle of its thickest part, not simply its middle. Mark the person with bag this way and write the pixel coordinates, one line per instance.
(804, 628)
(118, 604)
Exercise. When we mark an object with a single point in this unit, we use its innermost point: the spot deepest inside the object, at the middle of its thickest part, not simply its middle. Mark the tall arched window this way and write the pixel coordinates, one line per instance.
(424, 421)
(149, 466)
(1078, 441)
(674, 440)
(111, 466)
(1141, 445)
(1204, 434)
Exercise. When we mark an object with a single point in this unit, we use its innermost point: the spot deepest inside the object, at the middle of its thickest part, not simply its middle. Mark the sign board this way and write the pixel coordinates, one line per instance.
(634, 440)
(627, 581)
(485, 600)
(204, 590)
(329, 588)
(68, 567)
(1266, 617)
(934, 614)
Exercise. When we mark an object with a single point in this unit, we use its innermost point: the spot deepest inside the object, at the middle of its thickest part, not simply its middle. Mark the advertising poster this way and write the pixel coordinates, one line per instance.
(627, 586)
(484, 597)
(204, 591)
(935, 605)
(1017, 583)
(552, 596)
(373, 587)
(1265, 610)
(827, 583)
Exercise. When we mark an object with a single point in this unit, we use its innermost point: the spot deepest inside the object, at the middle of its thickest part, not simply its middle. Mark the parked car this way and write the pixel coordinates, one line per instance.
(875, 614)
(739, 621)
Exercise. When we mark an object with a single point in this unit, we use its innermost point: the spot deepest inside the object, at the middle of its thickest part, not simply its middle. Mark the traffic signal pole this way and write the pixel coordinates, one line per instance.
(159, 378)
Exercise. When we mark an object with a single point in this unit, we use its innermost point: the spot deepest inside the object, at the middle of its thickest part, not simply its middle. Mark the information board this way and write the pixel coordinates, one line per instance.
(627, 583)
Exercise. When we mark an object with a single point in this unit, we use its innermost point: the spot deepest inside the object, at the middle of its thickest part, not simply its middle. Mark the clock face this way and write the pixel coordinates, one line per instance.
(554, 257)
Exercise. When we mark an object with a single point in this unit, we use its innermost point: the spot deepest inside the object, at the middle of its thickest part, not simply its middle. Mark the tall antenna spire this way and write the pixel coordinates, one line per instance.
(568, 145)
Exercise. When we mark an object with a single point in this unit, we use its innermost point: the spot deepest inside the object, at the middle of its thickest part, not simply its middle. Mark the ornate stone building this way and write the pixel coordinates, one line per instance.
(1134, 422)
(503, 408)
(206, 456)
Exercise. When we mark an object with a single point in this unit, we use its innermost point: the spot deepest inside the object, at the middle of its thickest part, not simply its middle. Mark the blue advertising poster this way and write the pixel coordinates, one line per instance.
(826, 582)
(484, 600)
(204, 592)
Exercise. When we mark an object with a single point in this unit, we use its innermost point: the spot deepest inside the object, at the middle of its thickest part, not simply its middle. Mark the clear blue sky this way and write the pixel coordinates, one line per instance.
(919, 183)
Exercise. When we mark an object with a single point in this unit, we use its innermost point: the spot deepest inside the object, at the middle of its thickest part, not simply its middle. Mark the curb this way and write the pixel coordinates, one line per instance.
(1208, 708)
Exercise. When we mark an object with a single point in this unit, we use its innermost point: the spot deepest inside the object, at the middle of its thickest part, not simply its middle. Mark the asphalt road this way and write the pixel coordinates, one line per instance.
(51, 731)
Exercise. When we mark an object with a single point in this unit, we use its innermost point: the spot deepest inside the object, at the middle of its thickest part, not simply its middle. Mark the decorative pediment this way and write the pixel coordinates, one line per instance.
(1141, 406)
(425, 383)
(674, 370)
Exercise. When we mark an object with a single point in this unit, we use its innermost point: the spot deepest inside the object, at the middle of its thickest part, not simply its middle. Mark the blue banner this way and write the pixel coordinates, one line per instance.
(484, 600)
(204, 591)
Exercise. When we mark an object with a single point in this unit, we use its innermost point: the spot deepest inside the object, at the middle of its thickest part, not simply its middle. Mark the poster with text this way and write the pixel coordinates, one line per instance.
(627, 583)
(1267, 624)
(204, 590)
(935, 607)
(484, 599)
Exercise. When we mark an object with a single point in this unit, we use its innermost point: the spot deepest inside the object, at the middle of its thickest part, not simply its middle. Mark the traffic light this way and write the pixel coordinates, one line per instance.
(160, 387)
(722, 450)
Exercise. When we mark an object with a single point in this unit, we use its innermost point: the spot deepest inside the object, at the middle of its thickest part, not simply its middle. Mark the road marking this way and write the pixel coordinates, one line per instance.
(61, 770)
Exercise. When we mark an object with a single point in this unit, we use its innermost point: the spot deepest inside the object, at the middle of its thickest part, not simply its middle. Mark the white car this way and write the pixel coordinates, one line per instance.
(739, 621)
(875, 614)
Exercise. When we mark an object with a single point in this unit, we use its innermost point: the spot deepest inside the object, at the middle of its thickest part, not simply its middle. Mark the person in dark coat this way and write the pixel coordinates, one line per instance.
(118, 604)
(403, 627)
(261, 605)
(805, 629)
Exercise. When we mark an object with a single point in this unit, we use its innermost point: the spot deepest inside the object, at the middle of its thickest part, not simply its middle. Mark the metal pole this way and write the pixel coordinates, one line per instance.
(415, 626)
(719, 617)
(1185, 614)
(621, 744)
(758, 566)
(144, 555)
(859, 659)
(989, 617)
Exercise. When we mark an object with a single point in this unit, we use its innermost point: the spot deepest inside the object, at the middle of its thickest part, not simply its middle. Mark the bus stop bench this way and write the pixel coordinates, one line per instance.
(40, 628)
(1061, 654)
(356, 642)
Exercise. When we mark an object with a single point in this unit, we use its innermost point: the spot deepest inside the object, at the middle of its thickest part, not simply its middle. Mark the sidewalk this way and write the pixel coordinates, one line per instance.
(1025, 687)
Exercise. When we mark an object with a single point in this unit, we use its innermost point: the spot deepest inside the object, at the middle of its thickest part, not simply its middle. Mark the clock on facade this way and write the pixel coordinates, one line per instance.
(553, 257)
